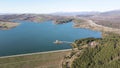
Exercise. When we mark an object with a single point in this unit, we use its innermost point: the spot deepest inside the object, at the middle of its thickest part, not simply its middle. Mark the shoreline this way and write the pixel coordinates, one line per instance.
(89, 24)
(36, 53)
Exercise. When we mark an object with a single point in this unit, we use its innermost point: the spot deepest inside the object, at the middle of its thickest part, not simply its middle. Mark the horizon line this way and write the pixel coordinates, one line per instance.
(56, 12)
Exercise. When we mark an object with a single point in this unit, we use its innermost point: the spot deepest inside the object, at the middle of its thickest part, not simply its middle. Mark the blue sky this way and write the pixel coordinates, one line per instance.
(50, 6)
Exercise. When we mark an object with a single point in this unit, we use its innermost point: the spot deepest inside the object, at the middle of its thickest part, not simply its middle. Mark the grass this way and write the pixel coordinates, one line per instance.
(47, 60)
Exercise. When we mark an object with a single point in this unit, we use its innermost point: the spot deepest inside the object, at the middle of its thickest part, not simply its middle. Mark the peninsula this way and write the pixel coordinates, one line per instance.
(8, 25)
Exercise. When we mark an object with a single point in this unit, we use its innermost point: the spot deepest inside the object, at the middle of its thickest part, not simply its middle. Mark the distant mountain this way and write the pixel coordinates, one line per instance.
(107, 13)
(109, 18)
(74, 13)
(114, 12)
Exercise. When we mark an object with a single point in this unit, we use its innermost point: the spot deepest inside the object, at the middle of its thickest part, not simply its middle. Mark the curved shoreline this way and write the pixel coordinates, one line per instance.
(35, 53)
(89, 24)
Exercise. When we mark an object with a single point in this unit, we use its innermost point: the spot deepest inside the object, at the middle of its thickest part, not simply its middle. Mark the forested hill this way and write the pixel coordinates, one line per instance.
(95, 53)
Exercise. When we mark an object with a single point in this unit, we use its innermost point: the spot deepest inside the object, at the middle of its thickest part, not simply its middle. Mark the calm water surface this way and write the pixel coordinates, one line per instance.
(32, 37)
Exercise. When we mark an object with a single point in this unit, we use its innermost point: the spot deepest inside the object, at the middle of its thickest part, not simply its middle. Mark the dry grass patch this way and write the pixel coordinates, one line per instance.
(47, 60)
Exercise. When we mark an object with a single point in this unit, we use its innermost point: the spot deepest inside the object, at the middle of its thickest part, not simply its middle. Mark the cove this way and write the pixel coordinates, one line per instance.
(31, 37)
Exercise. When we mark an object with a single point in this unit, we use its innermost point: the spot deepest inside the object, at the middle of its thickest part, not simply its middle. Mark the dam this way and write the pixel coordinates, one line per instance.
(61, 42)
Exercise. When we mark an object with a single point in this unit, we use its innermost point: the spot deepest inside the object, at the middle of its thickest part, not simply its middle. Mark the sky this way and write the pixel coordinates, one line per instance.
(51, 6)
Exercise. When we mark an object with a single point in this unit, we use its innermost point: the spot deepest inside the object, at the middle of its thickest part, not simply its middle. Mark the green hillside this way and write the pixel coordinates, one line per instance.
(97, 53)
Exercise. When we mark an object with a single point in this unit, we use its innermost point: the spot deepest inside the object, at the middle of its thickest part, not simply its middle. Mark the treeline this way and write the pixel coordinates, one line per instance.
(84, 41)
(63, 20)
(106, 54)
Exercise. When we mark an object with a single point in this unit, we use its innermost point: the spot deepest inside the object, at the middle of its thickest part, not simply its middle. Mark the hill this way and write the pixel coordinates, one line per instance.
(95, 53)
(109, 18)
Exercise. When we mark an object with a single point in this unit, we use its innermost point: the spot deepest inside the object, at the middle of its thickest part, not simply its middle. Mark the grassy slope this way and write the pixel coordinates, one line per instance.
(47, 60)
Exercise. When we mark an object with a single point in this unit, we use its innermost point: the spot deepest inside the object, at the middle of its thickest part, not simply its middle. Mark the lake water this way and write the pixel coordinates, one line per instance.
(32, 37)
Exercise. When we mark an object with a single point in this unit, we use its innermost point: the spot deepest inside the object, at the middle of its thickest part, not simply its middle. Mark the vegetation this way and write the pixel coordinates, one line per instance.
(105, 55)
(61, 21)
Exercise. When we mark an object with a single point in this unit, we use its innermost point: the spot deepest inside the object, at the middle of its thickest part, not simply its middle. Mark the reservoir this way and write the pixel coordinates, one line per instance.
(31, 37)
